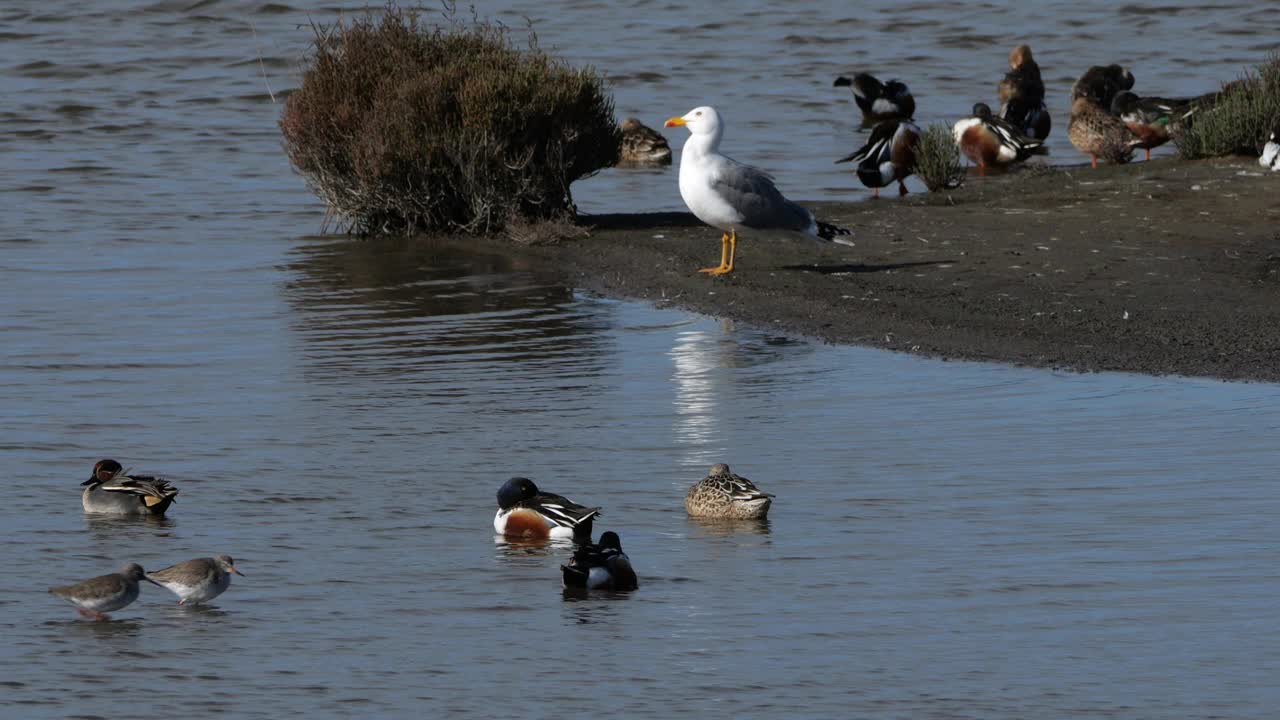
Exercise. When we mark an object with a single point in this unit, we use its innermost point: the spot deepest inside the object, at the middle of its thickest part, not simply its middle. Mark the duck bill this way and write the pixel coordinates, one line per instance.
(674, 122)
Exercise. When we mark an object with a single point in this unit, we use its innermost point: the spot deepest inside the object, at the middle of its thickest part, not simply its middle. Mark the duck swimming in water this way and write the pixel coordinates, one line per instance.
(109, 490)
(642, 146)
(526, 511)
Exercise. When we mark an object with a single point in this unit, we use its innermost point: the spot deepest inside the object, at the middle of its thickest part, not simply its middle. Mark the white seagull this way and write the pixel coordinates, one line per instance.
(726, 194)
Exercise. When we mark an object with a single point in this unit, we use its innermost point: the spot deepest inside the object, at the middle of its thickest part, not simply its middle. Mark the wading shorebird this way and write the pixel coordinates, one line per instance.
(197, 581)
(96, 597)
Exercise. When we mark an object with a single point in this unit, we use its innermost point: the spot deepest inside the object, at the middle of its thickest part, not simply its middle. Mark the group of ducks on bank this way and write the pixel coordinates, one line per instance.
(525, 512)
(112, 491)
(1108, 120)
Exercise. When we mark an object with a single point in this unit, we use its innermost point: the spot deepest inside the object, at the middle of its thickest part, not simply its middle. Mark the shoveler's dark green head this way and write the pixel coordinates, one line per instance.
(982, 111)
(1124, 102)
(103, 471)
(610, 539)
(515, 490)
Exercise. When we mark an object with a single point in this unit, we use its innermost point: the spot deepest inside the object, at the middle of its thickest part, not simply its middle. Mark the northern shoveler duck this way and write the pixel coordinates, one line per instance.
(1099, 134)
(729, 195)
(642, 146)
(525, 511)
(879, 101)
(1271, 151)
(890, 155)
(1151, 119)
(1100, 83)
(723, 494)
(197, 581)
(96, 597)
(109, 490)
(989, 141)
(1022, 95)
(600, 566)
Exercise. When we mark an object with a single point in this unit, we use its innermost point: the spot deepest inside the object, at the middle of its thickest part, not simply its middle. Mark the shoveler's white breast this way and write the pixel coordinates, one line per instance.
(528, 522)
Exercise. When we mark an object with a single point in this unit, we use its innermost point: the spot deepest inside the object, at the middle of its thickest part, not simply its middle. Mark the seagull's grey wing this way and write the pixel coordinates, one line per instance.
(752, 193)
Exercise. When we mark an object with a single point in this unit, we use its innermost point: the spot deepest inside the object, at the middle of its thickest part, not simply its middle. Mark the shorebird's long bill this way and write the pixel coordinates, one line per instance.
(153, 582)
(674, 122)
(233, 569)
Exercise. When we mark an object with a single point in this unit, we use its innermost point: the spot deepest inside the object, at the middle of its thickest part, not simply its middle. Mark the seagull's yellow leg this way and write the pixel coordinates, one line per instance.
(724, 254)
(727, 267)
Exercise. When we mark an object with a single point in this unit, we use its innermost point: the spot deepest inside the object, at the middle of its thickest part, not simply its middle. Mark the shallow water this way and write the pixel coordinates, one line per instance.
(950, 540)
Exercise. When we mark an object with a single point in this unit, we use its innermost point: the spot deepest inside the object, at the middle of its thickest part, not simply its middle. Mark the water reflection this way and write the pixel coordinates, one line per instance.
(393, 306)
(724, 527)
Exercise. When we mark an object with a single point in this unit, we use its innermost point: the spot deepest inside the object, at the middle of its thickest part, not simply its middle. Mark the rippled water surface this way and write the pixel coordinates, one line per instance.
(949, 540)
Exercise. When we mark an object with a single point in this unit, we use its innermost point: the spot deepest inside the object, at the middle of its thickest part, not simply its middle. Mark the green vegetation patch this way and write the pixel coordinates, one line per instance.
(402, 127)
(1236, 120)
(938, 161)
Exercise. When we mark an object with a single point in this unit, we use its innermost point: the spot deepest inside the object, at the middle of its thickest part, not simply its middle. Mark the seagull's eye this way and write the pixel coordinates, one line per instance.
(699, 113)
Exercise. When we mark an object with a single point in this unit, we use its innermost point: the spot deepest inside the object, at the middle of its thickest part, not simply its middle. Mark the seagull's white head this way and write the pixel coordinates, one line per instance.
(700, 121)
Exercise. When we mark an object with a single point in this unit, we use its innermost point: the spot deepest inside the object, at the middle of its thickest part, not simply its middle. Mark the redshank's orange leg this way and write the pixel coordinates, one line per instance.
(1148, 154)
(902, 188)
(1093, 161)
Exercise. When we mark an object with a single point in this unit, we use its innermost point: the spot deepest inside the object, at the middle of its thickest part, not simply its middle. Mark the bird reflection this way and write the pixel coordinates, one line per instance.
(724, 527)
(525, 547)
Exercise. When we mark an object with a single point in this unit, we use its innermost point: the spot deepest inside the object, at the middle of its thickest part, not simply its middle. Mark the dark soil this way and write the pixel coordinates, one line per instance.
(1166, 267)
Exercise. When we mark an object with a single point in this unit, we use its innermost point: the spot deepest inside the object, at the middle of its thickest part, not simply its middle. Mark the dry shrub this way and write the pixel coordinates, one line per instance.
(938, 161)
(401, 127)
(1236, 120)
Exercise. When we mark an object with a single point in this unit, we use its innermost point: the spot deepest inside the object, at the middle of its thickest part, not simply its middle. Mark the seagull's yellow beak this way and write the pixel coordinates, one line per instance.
(674, 122)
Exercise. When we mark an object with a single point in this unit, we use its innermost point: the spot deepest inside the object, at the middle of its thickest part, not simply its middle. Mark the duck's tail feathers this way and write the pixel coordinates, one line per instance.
(830, 232)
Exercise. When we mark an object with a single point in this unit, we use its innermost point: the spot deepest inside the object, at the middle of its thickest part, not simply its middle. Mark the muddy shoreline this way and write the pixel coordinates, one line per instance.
(1166, 267)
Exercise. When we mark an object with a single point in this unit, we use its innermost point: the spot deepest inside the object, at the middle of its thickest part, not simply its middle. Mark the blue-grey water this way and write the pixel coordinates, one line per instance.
(949, 540)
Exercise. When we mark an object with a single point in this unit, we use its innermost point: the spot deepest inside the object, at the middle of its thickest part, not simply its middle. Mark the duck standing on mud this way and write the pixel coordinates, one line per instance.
(879, 101)
(1151, 119)
(888, 156)
(1021, 93)
(990, 141)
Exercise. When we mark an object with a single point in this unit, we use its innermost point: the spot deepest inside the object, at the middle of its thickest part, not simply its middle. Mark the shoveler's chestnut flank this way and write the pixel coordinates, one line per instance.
(879, 101)
(989, 141)
(601, 566)
(889, 156)
(1151, 119)
(525, 511)
(724, 494)
(1021, 93)
(108, 490)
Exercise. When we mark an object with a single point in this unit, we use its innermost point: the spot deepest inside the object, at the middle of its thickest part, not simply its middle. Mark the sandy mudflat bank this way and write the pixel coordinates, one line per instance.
(1166, 267)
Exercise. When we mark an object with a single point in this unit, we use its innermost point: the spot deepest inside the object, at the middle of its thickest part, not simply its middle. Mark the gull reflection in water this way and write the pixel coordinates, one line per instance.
(696, 358)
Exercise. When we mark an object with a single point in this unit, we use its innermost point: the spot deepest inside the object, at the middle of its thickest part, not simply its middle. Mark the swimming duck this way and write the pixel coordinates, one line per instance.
(890, 155)
(988, 140)
(196, 581)
(879, 101)
(1021, 94)
(1100, 83)
(108, 490)
(642, 146)
(96, 597)
(600, 566)
(1271, 152)
(1099, 134)
(1151, 119)
(524, 511)
(723, 494)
